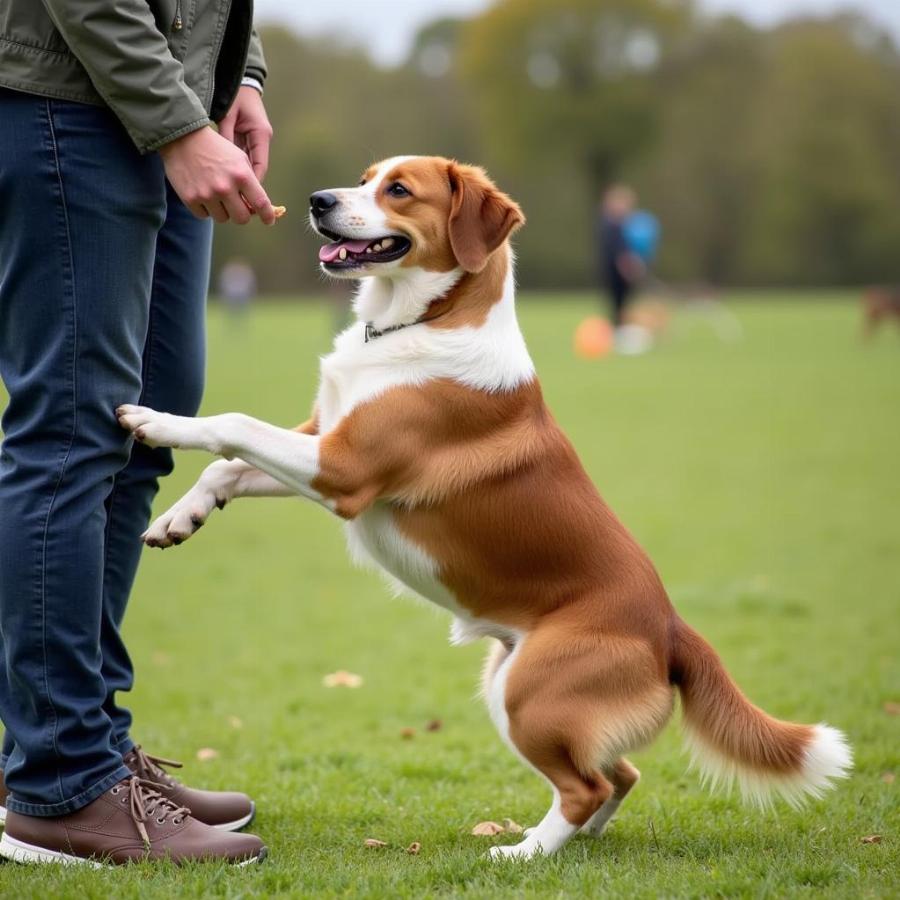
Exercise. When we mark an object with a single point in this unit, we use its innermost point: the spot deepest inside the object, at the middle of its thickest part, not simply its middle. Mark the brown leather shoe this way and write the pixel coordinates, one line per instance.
(130, 822)
(226, 810)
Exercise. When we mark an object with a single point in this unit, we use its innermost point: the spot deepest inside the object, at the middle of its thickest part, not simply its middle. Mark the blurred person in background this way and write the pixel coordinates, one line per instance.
(620, 267)
(237, 286)
(110, 174)
(627, 241)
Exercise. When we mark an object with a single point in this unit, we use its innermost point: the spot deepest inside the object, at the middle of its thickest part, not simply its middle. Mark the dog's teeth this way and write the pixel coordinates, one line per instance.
(376, 248)
(368, 249)
(387, 243)
(343, 254)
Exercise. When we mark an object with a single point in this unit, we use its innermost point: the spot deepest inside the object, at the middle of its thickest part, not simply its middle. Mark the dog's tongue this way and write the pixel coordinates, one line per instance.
(329, 253)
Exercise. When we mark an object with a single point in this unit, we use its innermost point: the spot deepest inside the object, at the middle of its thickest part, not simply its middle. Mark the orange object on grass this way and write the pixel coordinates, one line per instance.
(593, 338)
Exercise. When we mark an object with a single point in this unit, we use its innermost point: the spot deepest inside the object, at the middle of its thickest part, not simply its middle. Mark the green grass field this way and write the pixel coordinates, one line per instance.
(762, 477)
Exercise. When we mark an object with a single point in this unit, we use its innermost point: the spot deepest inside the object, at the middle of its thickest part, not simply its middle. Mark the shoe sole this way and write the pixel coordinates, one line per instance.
(20, 852)
(238, 824)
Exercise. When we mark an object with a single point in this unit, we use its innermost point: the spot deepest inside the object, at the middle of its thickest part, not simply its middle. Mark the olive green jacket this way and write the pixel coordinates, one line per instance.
(165, 67)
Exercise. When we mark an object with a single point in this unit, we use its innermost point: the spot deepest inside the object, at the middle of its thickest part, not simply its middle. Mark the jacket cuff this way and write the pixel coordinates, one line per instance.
(157, 142)
(255, 67)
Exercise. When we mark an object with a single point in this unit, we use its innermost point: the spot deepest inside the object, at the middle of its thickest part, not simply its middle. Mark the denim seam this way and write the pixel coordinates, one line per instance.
(75, 803)
(65, 461)
(145, 368)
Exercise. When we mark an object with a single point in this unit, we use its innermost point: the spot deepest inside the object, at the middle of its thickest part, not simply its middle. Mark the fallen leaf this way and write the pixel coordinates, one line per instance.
(434, 725)
(206, 753)
(235, 722)
(487, 828)
(871, 839)
(373, 844)
(342, 679)
(889, 778)
(511, 827)
(414, 848)
(891, 708)
(407, 733)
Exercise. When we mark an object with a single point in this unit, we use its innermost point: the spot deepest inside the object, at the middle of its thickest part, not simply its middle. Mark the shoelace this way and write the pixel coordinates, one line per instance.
(147, 802)
(150, 767)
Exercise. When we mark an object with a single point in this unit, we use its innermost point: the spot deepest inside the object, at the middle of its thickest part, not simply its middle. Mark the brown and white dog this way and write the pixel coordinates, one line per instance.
(430, 437)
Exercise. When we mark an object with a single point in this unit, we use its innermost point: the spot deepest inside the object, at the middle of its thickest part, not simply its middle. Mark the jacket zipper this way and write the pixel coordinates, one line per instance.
(177, 22)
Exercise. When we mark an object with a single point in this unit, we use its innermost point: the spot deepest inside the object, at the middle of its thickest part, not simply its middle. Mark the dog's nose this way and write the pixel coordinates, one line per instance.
(322, 201)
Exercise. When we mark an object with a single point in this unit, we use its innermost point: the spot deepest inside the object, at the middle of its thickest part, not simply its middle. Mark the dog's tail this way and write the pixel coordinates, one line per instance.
(731, 740)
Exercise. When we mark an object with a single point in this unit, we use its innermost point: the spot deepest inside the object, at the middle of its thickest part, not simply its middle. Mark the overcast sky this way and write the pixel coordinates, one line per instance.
(387, 28)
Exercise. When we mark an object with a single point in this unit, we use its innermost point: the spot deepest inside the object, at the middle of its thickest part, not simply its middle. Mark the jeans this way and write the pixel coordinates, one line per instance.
(103, 280)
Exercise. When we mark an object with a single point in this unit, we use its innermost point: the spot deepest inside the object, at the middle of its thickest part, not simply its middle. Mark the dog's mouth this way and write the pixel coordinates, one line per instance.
(345, 253)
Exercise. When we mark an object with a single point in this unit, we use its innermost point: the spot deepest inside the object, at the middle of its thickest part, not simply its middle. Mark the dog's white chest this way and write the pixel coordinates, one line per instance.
(374, 540)
(373, 537)
(355, 371)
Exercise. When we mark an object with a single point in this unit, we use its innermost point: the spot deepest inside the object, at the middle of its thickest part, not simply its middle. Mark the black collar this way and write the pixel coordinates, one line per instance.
(372, 332)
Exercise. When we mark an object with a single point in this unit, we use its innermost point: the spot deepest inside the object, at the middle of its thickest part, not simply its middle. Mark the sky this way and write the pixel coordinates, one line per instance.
(388, 37)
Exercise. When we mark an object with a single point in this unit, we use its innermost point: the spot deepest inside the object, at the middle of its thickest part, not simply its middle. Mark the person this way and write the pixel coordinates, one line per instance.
(110, 174)
(237, 287)
(620, 267)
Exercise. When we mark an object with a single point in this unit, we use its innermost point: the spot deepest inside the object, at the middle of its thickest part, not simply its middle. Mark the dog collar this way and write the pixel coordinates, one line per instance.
(372, 332)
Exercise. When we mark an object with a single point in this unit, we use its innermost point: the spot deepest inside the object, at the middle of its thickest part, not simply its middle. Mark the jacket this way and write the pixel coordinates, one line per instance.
(164, 67)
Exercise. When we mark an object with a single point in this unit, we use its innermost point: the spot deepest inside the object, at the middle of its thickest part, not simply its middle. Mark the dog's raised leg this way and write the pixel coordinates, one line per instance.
(219, 483)
(624, 777)
(287, 456)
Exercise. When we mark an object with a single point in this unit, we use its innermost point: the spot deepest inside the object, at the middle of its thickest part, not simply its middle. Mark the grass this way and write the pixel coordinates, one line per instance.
(762, 478)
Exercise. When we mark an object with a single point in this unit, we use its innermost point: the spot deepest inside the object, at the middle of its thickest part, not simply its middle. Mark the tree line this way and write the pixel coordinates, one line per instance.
(770, 155)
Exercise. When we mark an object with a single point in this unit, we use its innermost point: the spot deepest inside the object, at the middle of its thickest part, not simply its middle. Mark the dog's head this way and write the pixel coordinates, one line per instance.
(413, 212)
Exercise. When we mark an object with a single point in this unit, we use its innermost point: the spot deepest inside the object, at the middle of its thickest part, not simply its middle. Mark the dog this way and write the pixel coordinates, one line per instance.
(878, 305)
(431, 439)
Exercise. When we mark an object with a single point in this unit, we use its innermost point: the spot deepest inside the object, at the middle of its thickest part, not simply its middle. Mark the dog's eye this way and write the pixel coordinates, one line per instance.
(362, 182)
(397, 190)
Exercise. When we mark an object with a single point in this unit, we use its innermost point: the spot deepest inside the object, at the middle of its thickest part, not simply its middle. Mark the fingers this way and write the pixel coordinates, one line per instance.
(258, 200)
(216, 210)
(257, 145)
(237, 209)
(198, 209)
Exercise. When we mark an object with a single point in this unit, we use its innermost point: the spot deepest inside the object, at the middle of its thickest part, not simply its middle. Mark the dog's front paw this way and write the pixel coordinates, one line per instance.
(156, 429)
(183, 520)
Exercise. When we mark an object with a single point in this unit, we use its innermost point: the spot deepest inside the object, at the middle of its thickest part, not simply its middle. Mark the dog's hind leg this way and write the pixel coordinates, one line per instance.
(539, 726)
(624, 776)
(570, 707)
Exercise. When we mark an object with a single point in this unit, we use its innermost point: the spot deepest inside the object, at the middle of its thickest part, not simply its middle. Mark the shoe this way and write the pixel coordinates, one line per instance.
(226, 810)
(130, 822)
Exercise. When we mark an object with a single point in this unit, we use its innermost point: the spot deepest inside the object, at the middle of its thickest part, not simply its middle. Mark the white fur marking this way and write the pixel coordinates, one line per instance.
(553, 832)
(828, 757)
(493, 357)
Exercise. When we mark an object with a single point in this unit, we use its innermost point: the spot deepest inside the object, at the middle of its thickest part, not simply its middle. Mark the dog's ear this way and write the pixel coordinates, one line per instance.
(481, 216)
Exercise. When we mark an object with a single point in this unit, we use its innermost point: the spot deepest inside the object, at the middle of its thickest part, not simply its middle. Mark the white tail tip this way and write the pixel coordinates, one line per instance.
(827, 758)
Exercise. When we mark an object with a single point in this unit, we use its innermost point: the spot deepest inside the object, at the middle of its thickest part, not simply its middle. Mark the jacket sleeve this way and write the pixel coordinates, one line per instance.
(130, 65)
(256, 61)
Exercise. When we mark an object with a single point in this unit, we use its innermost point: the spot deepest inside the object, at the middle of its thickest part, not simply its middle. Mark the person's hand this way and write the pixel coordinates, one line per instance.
(214, 178)
(247, 126)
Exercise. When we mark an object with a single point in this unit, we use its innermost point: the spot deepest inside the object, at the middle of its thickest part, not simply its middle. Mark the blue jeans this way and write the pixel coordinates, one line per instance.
(103, 280)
